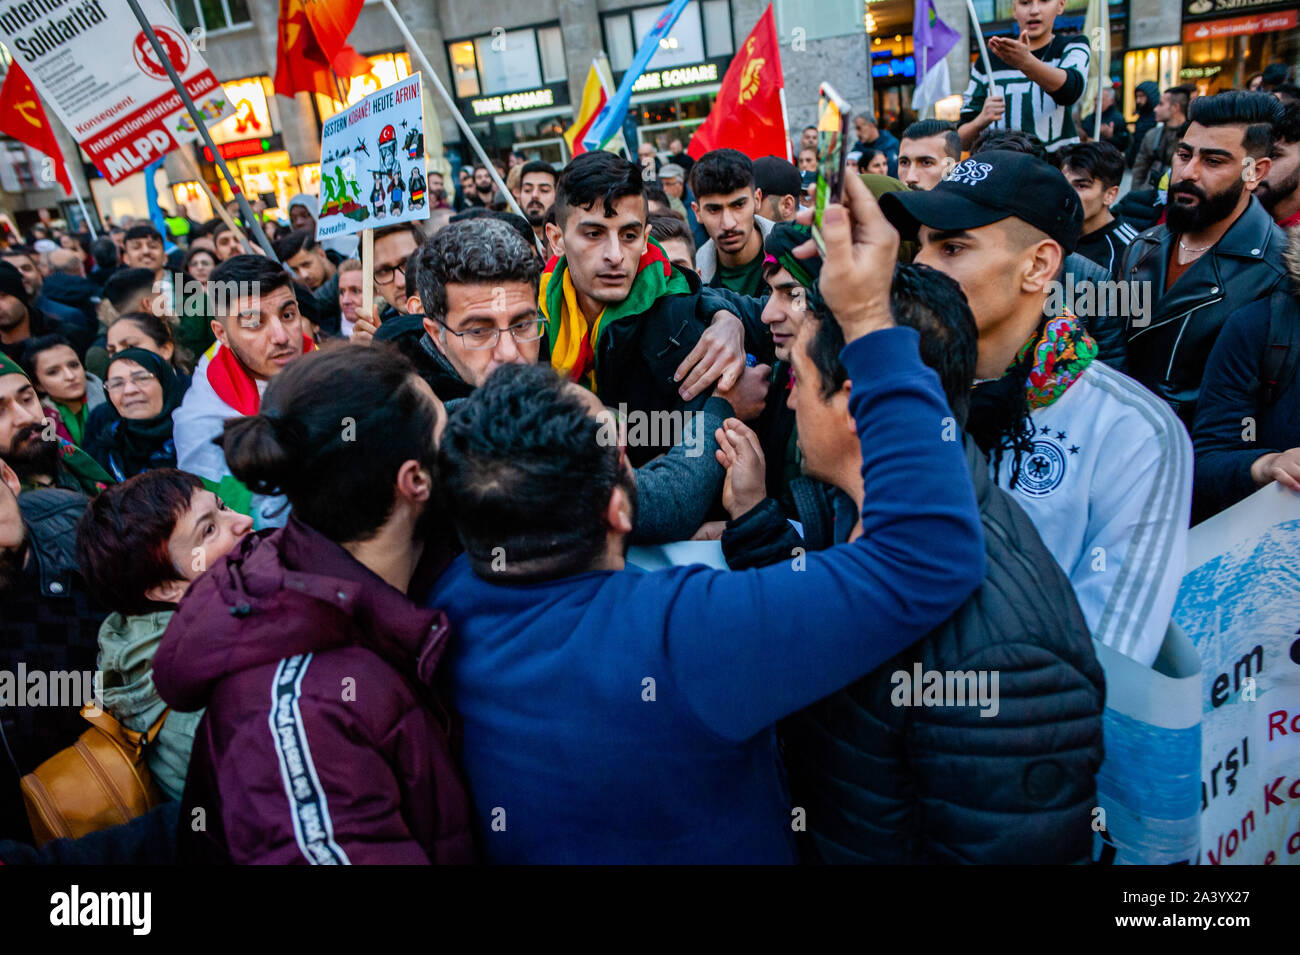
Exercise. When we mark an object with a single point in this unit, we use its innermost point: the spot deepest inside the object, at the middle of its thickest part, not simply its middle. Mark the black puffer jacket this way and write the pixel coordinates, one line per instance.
(882, 783)
(49, 625)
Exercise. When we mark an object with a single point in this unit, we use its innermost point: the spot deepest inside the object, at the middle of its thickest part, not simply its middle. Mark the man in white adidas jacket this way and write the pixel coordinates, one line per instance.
(1100, 464)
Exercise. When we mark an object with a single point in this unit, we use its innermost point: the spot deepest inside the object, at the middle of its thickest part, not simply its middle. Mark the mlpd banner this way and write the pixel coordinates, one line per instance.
(372, 163)
(93, 65)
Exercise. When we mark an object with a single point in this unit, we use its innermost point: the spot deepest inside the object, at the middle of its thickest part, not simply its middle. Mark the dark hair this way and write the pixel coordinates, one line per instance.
(201, 250)
(720, 172)
(334, 428)
(1182, 95)
(396, 228)
(523, 470)
(33, 348)
(654, 192)
(104, 252)
(537, 165)
(596, 176)
(925, 128)
(1258, 112)
(865, 155)
(143, 231)
(929, 301)
(482, 252)
(126, 286)
(205, 228)
(24, 250)
(411, 273)
(123, 535)
(823, 350)
(300, 240)
(1288, 93)
(1287, 128)
(257, 271)
(1099, 160)
(672, 226)
(1012, 140)
(933, 303)
(158, 330)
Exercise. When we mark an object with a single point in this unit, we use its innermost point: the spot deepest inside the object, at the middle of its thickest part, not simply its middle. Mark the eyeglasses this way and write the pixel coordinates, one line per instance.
(385, 275)
(139, 379)
(481, 337)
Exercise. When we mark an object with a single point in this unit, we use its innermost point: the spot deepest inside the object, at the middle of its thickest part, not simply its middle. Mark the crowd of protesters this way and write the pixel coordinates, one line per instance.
(362, 574)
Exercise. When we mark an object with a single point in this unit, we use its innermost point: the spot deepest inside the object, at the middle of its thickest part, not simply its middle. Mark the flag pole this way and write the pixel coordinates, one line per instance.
(245, 209)
(785, 118)
(984, 53)
(1103, 67)
(77, 192)
(428, 70)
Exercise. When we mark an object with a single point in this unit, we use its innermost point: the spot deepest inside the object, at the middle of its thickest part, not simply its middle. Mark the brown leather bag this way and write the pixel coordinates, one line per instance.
(99, 781)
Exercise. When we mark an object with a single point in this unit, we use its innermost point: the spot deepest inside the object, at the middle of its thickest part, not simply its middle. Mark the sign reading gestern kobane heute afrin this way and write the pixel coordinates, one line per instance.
(372, 162)
(93, 65)
(1239, 603)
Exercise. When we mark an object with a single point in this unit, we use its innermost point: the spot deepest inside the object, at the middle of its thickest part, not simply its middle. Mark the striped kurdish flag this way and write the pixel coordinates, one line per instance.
(595, 94)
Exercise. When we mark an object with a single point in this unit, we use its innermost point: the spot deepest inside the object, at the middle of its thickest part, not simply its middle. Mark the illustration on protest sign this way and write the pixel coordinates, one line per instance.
(1239, 603)
(97, 70)
(366, 181)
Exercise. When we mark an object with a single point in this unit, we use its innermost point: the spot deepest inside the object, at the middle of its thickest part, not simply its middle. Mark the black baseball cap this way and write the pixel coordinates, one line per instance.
(989, 187)
(777, 177)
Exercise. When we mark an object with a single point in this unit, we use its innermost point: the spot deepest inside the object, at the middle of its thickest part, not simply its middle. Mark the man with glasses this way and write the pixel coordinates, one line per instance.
(477, 283)
(393, 247)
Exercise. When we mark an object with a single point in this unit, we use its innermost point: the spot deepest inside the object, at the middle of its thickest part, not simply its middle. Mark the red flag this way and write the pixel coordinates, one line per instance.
(313, 42)
(748, 115)
(23, 117)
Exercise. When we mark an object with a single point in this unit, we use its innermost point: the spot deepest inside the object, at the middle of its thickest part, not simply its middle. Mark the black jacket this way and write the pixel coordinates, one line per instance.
(1169, 351)
(1146, 120)
(637, 355)
(49, 624)
(886, 783)
(1106, 330)
(76, 292)
(1224, 449)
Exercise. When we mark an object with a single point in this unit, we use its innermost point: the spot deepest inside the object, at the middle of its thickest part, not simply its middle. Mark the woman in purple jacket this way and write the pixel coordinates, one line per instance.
(321, 742)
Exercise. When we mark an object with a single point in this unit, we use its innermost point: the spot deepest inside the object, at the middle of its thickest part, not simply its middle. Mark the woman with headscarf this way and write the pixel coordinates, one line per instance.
(143, 391)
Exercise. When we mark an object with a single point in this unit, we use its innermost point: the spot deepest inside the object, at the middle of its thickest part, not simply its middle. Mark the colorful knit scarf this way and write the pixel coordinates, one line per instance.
(574, 341)
(1061, 353)
(1044, 368)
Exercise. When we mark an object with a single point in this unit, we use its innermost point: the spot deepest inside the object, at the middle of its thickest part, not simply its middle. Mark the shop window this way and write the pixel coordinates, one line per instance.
(508, 61)
(618, 39)
(683, 45)
(550, 41)
(820, 18)
(465, 69)
(717, 28)
(211, 14)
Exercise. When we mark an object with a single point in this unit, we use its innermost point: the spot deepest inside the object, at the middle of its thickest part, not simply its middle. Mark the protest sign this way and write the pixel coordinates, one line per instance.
(1240, 605)
(94, 66)
(1147, 810)
(372, 163)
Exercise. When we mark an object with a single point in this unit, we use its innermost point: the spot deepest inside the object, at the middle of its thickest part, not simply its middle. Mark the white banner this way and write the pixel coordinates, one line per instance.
(1240, 606)
(372, 163)
(95, 68)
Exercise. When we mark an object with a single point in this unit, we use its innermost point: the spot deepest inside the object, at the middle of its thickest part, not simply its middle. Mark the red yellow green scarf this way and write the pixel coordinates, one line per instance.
(574, 341)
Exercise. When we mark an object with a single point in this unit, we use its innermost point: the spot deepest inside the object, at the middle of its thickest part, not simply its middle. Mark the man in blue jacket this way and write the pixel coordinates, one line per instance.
(622, 717)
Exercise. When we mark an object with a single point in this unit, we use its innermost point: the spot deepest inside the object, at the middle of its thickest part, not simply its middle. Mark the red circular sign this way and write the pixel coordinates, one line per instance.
(175, 45)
